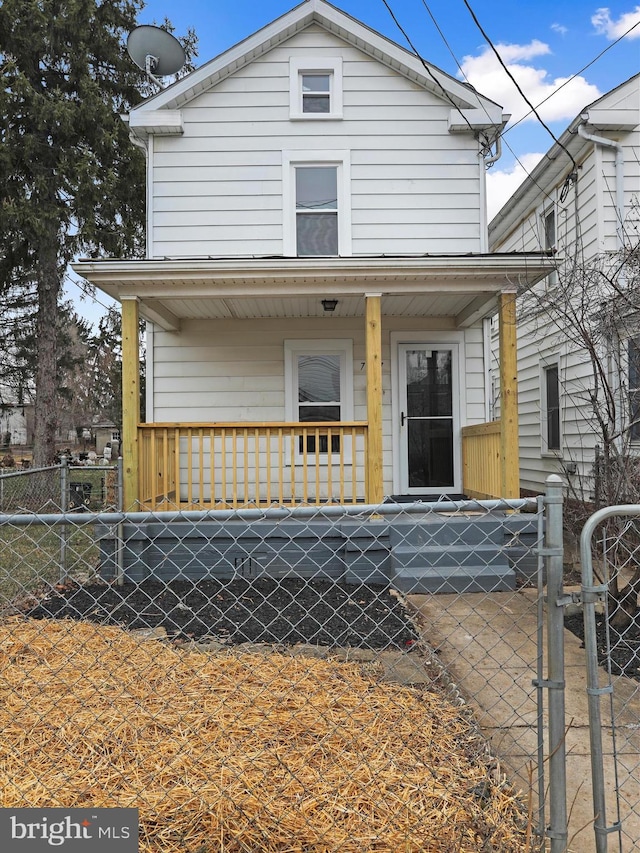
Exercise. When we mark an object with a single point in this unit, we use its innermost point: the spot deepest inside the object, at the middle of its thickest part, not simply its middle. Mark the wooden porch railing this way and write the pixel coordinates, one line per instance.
(228, 465)
(482, 475)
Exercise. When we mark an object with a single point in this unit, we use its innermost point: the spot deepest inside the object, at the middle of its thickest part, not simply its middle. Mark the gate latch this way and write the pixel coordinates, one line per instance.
(569, 598)
(588, 595)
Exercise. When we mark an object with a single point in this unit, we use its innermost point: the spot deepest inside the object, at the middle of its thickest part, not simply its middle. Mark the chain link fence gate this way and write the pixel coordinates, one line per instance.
(310, 679)
(610, 558)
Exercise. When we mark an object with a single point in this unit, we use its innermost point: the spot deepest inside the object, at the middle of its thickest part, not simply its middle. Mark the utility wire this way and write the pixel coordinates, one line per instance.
(516, 84)
(425, 64)
(573, 76)
(461, 70)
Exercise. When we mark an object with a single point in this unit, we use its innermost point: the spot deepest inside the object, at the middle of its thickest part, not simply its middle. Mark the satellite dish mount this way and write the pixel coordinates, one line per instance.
(155, 51)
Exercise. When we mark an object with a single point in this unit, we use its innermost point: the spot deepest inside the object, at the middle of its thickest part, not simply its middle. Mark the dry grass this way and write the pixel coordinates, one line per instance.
(239, 751)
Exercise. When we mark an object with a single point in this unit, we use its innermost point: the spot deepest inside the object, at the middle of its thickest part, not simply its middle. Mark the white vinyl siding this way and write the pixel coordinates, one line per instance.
(218, 189)
(540, 338)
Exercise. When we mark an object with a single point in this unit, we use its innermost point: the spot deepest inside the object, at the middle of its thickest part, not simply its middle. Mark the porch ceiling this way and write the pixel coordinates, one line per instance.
(464, 288)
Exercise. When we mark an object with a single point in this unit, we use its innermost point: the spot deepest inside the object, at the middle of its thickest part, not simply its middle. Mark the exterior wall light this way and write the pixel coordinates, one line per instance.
(329, 305)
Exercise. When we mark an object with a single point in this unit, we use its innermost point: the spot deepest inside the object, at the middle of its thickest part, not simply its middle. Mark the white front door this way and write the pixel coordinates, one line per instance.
(428, 418)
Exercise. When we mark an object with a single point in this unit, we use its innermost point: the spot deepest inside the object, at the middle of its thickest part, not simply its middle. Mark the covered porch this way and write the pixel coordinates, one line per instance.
(218, 464)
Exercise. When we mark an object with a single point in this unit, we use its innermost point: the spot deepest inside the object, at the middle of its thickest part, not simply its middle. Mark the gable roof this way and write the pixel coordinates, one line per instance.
(458, 94)
(616, 111)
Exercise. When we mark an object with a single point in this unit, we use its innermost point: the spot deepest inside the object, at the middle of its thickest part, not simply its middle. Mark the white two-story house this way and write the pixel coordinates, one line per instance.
(317, 279)
(578, 344)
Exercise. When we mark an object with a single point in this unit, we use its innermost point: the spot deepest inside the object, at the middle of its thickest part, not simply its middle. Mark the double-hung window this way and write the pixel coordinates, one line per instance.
(318, 387)
(549, 235)
(316, 210)
(315, 88)
(316, 204)
(634, 388)
(551, 422)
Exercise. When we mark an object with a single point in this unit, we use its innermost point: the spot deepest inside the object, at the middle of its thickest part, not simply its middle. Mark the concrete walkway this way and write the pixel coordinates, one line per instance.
(488, 644)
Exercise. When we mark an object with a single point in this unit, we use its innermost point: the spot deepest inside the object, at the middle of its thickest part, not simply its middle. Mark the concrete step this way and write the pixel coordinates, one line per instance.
(449, 556)
(448, 531)
(470, 578)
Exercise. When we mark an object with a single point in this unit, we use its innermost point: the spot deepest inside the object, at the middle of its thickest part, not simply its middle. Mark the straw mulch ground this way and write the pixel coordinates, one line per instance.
(241, 751)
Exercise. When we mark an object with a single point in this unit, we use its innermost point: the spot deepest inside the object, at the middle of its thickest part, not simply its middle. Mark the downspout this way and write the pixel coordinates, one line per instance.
(609, 143)
(486, 163)
(619, 166)
(143, 146)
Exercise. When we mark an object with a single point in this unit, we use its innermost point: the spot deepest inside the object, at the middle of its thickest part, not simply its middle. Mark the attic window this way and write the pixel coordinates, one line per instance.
(316, 93)
(315, 88)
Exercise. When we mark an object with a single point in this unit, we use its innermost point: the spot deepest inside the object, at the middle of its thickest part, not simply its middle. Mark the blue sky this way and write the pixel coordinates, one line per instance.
(544, 43)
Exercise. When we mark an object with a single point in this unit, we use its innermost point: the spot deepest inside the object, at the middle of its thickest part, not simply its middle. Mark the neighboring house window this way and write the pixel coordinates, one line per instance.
(551, 420)
(634, 388)
(315, 88)
(319, 387)
(550, 239)
(316, 204)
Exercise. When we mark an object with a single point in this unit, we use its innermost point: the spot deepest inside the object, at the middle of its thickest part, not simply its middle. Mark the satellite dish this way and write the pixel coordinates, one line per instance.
(155, 51)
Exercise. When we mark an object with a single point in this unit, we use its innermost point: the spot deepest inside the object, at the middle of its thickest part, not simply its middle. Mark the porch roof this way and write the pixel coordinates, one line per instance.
(464, 287)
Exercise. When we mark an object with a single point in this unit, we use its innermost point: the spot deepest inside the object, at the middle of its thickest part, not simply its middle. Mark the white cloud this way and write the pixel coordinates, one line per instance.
(604, 25)
(563, 97)
(502, 184)
(560, 28)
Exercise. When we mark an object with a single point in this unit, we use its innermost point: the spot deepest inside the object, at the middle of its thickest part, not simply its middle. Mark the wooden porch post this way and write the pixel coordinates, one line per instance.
(509, 445)
(130, 400)
(373, 336)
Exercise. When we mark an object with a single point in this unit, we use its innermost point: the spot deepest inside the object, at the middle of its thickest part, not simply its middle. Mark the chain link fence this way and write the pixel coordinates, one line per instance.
(62, 488)
(311, 679)
(610, 557)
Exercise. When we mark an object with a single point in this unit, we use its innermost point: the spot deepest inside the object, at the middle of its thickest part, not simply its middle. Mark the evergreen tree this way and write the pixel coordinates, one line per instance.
(71, 183)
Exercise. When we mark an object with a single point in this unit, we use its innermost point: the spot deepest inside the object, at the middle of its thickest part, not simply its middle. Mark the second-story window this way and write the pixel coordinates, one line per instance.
(316, 210)
(549, 236)
(316, 199)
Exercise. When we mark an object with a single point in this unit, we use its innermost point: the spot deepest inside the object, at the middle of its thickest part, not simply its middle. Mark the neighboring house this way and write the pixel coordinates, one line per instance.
(588, 215)
(15, 422)
(317, 279)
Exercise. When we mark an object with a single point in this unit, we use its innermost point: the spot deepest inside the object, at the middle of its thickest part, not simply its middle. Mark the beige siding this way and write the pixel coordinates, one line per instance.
(217, 190)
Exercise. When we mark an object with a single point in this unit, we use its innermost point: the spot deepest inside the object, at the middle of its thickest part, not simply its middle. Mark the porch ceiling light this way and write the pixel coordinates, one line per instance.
(329, 305)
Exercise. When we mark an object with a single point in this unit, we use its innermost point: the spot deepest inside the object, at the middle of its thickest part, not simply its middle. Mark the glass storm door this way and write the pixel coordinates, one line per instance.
(428, 408)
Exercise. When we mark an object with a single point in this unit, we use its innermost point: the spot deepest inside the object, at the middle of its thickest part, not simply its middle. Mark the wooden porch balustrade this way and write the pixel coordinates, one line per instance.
(489, 471)
(229, 465)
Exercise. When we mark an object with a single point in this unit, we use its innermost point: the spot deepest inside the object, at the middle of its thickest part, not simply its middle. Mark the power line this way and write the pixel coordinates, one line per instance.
(425, 64)
(461, 70)
(577, 73)
(516, 84)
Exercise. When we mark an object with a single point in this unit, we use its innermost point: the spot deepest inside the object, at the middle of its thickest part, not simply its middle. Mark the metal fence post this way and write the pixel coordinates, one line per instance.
(64, 506)
(120, 526)
(558, 832)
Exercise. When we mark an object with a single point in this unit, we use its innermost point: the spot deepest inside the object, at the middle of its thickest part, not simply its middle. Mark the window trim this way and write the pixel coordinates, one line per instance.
(290, 161)
(315, 65)
(545, 367)
(546, 211)
(634, 431)
(342, 347)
